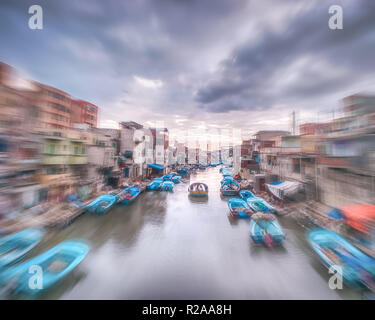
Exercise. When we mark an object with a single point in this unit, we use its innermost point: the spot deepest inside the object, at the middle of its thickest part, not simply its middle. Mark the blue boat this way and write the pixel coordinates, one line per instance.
(226, 179)
(167, 177)
(246, 194)
(264, 228)
(230, 188)
(183, 171)
(55, 263)
(176, 179)
(155, 184)
(239, 208)
(129, 194)
(167, 186)
(15, 246)
(334, 249)
(102, 204)
(257, 203)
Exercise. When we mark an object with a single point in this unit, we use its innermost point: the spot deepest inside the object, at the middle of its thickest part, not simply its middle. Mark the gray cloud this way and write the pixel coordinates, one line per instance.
(212, 57)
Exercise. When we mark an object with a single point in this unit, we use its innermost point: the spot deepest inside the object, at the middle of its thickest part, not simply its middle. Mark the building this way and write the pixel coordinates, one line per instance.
(136, 150)
(55, 107)
(84, 112)
(19, 144)
(64, 162)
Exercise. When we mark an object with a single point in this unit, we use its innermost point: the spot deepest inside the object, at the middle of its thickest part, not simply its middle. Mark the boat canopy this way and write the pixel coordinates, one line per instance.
(285, 189)
(156, 166)
(359, 216)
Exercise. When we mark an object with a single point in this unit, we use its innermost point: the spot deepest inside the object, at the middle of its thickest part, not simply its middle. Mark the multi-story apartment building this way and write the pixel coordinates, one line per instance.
(84, 112)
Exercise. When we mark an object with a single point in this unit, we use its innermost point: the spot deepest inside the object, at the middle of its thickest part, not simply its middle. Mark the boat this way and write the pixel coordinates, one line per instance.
(230, 188)
(167, 186)
(246, 194)
(335, 250)
(129, 194)
(183, 171)
(176, 179)
(202, 167)
(155, 184)
(264, 228)
(55, 263)
(226, 179)
(102, 204)
(239, 208)
(198, 189)
(15, 246)
(257, 203)
(167, 177)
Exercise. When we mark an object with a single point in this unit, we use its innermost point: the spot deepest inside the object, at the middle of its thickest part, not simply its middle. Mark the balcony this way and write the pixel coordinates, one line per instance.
(56, 159)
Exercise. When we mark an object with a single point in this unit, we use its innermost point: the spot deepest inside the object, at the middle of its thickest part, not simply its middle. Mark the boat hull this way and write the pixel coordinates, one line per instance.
(321, 238)
(259, 229)
(70, 253)
(102, 204)
(15, 246)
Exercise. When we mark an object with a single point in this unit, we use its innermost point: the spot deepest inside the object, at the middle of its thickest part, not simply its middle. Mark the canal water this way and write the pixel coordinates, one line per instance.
(168, 246)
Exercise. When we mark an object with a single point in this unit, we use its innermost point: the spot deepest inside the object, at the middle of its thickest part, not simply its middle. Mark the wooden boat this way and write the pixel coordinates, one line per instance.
(226, 179)
(55, 263)
(155, 184)
(183, 171)
(167, 186)
(239, 208)
(257, 203)
(167, 177)
(230, 188)
(176, 179)
(335, 250)
(198, 189)
(102, 204)
(129, 194)
(264, 228)
(15, 246)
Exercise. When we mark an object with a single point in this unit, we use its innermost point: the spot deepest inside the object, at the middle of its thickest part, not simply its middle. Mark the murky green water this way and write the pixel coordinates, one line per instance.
(166, 246)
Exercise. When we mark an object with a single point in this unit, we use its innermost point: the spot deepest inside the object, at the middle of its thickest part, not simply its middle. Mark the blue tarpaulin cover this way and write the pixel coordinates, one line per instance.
(156, 166)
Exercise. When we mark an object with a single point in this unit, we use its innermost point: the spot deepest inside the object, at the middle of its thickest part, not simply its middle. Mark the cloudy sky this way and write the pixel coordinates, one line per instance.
(196, 63)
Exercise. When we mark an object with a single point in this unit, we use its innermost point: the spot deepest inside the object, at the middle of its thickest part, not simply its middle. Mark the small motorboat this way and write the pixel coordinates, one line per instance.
(102, 204)
(198, 189)
(129, 194)
(230, 188)
(246, 194)
(239, 208)
(226, 179)
(260, 205)
(155, 184)
(257, 203)
(15, 246)
(167, 177)
(335, 250)
(264, 228)
(167, 186)
(55, 264)
(176, 179)
(183, 171)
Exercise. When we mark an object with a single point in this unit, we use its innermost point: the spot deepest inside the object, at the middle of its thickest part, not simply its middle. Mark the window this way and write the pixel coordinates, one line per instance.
(75, 150)
(296, 166)
(51, 148)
